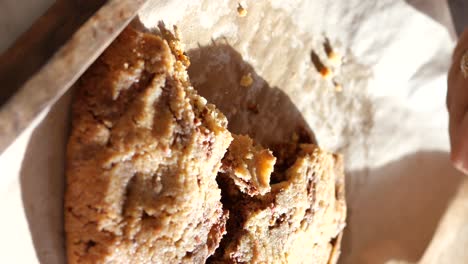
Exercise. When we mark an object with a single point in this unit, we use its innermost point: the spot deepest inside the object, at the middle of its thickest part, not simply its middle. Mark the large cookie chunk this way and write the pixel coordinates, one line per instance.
(142, 159)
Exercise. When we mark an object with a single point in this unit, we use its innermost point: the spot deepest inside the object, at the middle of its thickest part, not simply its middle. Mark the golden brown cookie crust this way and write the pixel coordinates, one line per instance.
(142, 159)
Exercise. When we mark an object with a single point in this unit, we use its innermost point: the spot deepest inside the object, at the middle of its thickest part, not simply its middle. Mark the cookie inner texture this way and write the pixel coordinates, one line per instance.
(242, 204)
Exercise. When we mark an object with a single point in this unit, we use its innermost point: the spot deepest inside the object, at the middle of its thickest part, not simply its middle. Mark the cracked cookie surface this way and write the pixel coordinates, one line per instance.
(142, 159)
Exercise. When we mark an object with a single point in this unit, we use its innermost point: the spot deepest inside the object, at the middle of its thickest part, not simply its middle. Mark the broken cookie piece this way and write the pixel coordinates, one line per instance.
(154, 176)
(299, 221)
(249, 165)
(142, 159)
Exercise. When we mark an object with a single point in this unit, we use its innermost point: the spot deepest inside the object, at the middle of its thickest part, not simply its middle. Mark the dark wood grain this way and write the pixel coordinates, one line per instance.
(38, 44)
(49, 58)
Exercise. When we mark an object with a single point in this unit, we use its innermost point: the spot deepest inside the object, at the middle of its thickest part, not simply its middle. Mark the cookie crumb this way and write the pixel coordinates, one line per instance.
(338, 87)
(241, 11)
(326, 73)
(246, 80)
(249, 165)
(334, 58)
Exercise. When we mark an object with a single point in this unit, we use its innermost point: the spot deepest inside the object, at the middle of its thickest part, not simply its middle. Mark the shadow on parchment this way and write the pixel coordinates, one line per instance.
(395, 214)
(42, 180)
(265, 113)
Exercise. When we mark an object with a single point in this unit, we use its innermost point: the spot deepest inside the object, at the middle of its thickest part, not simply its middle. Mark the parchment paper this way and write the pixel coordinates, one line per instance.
(389, 120)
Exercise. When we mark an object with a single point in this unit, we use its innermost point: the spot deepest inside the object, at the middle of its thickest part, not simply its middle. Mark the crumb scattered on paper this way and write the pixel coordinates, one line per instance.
(326, 73)
(338, 87)
(241, 11)
(334, 58)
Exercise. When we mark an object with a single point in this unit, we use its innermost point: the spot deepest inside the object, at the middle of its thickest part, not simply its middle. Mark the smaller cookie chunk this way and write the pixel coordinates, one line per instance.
(299, 221)
(249, 165)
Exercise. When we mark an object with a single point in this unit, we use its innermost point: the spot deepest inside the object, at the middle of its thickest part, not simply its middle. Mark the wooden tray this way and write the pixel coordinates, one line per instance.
(46, 60)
